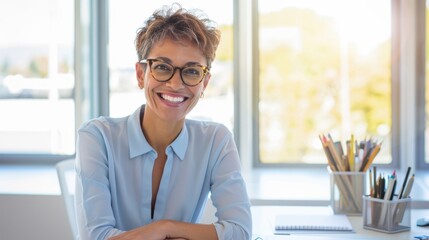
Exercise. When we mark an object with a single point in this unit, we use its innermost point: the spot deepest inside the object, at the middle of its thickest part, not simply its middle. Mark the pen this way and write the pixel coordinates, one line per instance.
(390, 186)
(374, 151)
(335, 155)
(394, 185)
(352, 154)
(361, 152)
(401, 209)
(382, 186)
(339, 148)
(371, 187)
(389, 192)
(392, 192)
(407, 190)
(328, 154)
(375, 181)
(404, 183)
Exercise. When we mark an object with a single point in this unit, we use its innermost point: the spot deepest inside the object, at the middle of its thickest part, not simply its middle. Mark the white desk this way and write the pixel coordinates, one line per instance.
(263, 218)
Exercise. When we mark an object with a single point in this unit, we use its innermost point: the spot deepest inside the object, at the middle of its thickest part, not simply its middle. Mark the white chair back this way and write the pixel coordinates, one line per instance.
(66, 176)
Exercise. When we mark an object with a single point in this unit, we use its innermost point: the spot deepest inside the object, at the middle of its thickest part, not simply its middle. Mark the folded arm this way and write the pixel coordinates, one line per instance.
(168, 229)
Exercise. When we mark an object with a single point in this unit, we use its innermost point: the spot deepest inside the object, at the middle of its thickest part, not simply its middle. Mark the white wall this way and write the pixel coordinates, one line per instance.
(24, 217)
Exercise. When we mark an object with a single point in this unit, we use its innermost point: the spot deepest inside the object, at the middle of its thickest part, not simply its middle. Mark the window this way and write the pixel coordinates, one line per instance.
(320, 68)
(125, 96)
(324, 67)
(37, 77)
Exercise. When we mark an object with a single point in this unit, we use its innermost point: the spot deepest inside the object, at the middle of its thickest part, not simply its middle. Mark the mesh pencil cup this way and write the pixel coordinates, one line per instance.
(347, 189)
(388, 216)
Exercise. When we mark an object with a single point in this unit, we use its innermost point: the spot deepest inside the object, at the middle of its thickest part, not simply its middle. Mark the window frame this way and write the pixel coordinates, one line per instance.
(420, 49)
(395, 101)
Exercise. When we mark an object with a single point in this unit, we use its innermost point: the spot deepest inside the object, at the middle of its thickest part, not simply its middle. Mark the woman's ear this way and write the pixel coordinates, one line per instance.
(140, 70)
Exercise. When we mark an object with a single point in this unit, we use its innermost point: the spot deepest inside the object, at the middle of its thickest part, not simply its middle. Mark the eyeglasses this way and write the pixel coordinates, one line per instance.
(163, 72)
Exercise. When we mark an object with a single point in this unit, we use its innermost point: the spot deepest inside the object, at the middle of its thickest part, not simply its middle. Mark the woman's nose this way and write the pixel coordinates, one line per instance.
(176, 81)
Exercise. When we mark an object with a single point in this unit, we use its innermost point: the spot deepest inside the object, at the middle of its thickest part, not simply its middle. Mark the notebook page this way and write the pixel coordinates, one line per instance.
(286, 224)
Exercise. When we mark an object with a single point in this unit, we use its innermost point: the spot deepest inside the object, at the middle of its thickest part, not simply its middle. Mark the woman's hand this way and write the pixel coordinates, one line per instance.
(154, 231)
(169, 229)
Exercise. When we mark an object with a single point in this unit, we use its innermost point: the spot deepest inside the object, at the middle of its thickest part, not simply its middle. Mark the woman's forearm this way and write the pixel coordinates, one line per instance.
(168, 229)
(192, 231)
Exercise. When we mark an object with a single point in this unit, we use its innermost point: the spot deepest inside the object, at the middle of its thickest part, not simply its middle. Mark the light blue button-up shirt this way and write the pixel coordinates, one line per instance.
(114, 178)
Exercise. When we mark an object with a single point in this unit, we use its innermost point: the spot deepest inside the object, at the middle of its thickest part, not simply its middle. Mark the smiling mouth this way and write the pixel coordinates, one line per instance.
(172, 99)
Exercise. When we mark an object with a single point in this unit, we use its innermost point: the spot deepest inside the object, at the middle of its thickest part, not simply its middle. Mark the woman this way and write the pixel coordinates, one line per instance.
(148, 176)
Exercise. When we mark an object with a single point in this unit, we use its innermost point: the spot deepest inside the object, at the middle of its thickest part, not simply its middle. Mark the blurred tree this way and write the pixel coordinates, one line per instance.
(300, 79)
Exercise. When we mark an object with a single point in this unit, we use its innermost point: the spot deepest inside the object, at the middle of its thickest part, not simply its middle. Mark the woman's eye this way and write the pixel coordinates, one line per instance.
(162, 67)
(192, 71)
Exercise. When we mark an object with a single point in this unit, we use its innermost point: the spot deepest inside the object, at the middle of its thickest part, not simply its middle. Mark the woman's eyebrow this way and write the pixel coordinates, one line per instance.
(168, 60)
(165, 59)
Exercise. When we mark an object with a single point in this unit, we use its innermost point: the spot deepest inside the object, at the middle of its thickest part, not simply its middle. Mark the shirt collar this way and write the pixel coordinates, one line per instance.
(138, 144)
(136, 139)
(180, 144)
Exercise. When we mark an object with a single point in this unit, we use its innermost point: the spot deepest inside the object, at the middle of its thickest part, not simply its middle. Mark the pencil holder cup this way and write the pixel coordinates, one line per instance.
(347, 189)
(388, 216)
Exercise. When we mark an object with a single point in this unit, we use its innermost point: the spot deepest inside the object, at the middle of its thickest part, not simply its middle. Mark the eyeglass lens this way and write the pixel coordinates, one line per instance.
(191, 75)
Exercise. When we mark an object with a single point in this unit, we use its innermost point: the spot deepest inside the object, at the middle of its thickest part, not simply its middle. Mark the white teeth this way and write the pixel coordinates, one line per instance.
(172, 99)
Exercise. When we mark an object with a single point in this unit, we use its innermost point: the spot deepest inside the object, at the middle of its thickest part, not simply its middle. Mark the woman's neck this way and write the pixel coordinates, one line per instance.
(158, 132)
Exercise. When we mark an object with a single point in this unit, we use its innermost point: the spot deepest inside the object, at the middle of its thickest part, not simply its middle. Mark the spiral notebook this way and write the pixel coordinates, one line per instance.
(313, 223)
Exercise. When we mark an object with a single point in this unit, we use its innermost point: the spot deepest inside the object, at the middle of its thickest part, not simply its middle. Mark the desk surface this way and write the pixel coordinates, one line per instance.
(263, 222)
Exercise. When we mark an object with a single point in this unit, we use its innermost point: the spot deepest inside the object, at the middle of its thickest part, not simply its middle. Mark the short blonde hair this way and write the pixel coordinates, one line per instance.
(178, 24)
